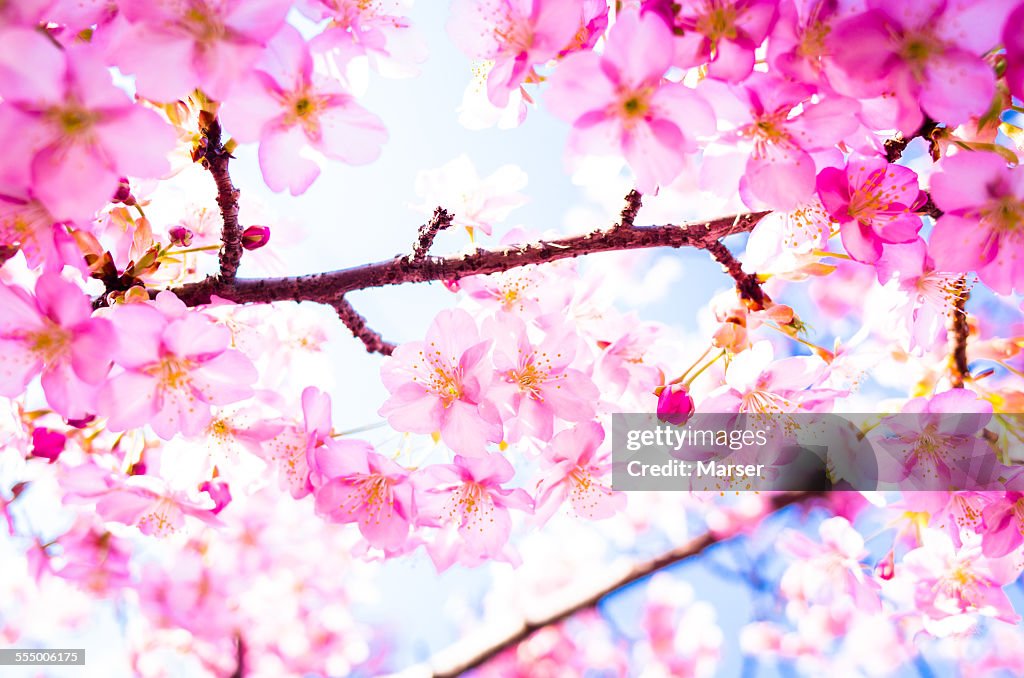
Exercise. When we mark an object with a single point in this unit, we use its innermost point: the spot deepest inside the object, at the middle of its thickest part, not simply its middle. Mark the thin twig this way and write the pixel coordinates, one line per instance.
(239, 671)
(747, 284)
(633, 202)
(360, 330)
(441, 220)
(326, 287)
(644, 569)
(959, 331)
(216, 159)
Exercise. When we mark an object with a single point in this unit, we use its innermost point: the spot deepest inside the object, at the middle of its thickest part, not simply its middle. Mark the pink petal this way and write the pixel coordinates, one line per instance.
(466, 431)
(283, 167)
(225, 379)
(957, 86)
(959, 244)
(783, 178)
(351, 133)
(72, 181)
(17, 367)
(639, 48)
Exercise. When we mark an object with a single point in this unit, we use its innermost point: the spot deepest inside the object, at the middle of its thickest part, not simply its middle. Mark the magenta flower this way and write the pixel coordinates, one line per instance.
(366, 488)
(675, 406)
(720, 33)
(54, 333)
(287, 108)
(874, 203)
(980, 230)
(515, 34)
(442, 384)
(47, 444)
(797, 45)
(172, 48)
(928, 55)
(573, 469)
(255, 237)
(618, 101)
(535, 383)
(468, 496)
(1004, 525)
(64, 129)
(176, 365)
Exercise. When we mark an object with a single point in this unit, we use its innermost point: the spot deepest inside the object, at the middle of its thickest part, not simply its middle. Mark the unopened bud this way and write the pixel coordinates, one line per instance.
(675, 406)
(47, 444)
(180, 236)
(124, 193)
(255, 237)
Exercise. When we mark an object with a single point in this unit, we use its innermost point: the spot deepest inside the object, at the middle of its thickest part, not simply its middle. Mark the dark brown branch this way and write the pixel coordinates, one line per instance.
(326, 287)
(239, 671)
(747, 284)
(441, 220)
(894, 147)
(644, 569)
(216, 158)
(959, 331)
(360, 330)
(633, 201)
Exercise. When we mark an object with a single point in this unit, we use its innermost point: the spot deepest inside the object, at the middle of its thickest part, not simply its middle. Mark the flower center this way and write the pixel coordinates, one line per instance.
(1006, 214)
(49, 343)
(172, 371)
(719, 23)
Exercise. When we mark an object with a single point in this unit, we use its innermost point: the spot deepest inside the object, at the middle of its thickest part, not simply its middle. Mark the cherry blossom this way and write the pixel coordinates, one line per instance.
(618, 101)
(54, 334)
(1012, 41)
(468, 495)
(477, 203)
(442, 385)
(980, 230)
(576, 466)
(175, 364)
(874, 203)
(288, 107)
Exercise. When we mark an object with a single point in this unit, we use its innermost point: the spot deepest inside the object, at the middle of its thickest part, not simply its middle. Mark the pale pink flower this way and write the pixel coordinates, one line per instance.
(784, 243)
(94, 558)
(950, 582)
(442, 384)
(173, 48)
(287, 107)
(26, 226)
(874, 202)
(64, 129)
(573, 469)
(54, 333)
(535, 383)
(832, 571)
(797, 45)
(619, 102)
(720, 33)
(516, 35)
(757, 383)
(928, 55)
(147, 503)
(475, 202)
(980, 230)
(378, 30)
(366, 488)
(176, 364)
(468, 497)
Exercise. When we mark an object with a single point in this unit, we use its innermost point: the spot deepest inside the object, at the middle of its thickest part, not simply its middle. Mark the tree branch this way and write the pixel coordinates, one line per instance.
(894, 147)
(633, 201)
(959, 331)
(239, 671)
(326, 287)
(692, 548)
(216, 158)
(360, 330)
(747, 284)
(441, 220)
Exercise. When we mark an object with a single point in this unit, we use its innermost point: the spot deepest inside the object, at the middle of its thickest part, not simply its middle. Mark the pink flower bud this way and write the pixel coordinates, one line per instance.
(886, 567)
(124, 193)
(219, 492)
(675, 406)
(180, 236)
(47, 444)
(83, 422)
(255, 237)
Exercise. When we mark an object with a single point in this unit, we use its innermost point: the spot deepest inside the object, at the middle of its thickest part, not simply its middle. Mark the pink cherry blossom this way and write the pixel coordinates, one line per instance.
(1013, 41)
(148, 504)
(442, 384)
(797, 47)
(54, 333)
(516, 35)
(619, 102)
(468, 497)
(950, 582)
(172, 48)
(980, 230)
(925, 54)
(776, 129)
(288, 107)
(366, 488)
(1003, 525)
(720, 33)
(176, 364)
(380, 31)
(66, 127)
(535, 383)
(874, 202)
(574, 469)
(757, 383)
(26, 226)
(95, 558)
